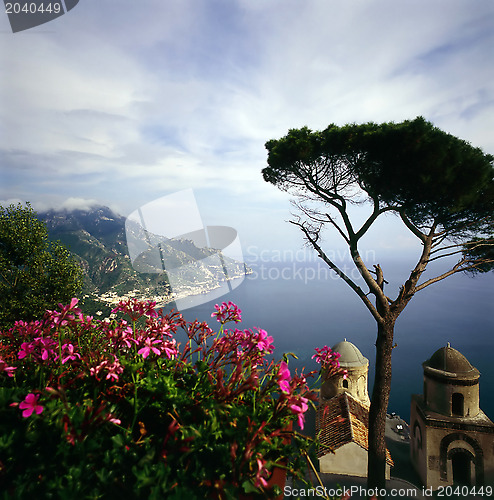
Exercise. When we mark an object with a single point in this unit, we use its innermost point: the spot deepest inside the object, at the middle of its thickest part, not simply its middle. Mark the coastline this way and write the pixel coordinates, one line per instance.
(111, 298)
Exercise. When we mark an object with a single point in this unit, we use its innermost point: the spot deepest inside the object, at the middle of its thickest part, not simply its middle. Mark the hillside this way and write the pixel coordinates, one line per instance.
(97, 239)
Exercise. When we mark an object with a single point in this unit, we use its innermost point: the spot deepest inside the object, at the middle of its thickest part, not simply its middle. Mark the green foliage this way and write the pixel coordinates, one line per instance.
(35, 274)
(121, 412)
(411, 168)
(429, 173)
(480, 251)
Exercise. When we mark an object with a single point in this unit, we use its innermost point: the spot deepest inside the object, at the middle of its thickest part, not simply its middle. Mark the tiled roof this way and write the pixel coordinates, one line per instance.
(340, 421)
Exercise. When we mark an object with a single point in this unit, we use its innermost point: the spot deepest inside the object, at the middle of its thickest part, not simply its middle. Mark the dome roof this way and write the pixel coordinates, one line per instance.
(450, 363)
(350, 355)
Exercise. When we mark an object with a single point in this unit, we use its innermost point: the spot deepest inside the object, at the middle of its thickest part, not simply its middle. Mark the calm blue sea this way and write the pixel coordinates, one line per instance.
(303, 306)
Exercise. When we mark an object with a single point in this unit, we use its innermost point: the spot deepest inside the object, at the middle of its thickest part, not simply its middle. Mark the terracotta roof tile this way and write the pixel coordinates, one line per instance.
(342, 420)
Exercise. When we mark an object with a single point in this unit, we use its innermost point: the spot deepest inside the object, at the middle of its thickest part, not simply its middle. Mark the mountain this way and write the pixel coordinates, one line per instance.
(97, 239)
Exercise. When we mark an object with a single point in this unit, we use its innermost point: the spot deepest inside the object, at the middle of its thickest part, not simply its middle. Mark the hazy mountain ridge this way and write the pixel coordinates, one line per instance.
(97, 239)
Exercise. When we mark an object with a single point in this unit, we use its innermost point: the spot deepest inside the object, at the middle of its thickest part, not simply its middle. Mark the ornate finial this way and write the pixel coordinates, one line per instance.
(344, 339)
(449, 345)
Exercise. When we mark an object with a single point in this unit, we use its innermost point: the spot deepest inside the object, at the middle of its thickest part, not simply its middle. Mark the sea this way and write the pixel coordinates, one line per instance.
(303, 305)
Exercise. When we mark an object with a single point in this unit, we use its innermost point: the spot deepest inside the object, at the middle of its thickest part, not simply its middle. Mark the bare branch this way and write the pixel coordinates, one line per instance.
(313, 241)
(375, 214)
(372, 283)
(455, 269)
(410, 286)
(414, 229)
(444, 255)
(472, 245)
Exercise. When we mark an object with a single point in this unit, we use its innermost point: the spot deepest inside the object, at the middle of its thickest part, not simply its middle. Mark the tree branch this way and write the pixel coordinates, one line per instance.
(339, 272)
(374, 286)
(414, 229)
(375, 214)
(455, 269)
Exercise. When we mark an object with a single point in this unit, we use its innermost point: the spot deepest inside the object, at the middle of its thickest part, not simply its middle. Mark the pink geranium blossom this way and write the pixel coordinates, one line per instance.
(113, 370)
(326, 356)
(30, 404)
(66, 313)
(149, 345)
(170, 348)
(40, 348)
(70, 352)
(227, 312)
(299, 407)
(264, 342)
(262, 473)
(284, 377)
(136, 308)
(9, 370)
(329, 361)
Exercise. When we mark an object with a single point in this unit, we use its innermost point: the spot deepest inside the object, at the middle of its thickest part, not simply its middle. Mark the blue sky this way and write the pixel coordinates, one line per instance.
(123, 102)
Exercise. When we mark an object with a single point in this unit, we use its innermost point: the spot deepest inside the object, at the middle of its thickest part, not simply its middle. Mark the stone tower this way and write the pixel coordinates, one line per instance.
(355, 384)
(452, 440)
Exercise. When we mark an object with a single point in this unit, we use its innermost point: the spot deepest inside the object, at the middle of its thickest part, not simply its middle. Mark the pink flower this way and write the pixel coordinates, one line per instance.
(61, 318)
(329, 361)
(299, 408)
(227, 312)
(30, 404)
(262, 473)
(149, 345)
(9, 370)
(120, 335)
(170, 348)
(71, 354)
(40, 348)
(136, 308)
(31, 329)
(26, 350)
(326, 356)
(113, 370)
(256, 340)
(47, 348)
(284, 377)
(264, 343)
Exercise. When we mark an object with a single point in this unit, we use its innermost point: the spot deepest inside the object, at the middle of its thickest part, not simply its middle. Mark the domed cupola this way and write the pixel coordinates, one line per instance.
(355, 383)
(451, 384)
(350, 356)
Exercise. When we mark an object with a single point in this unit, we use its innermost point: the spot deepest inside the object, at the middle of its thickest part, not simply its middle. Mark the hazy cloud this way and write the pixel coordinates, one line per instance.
(125, 101)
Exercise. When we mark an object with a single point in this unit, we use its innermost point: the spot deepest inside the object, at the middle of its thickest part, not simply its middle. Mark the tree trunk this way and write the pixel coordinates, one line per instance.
(376, 470)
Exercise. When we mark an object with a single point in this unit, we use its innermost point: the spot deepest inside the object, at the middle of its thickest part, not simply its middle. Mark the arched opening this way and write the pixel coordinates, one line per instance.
(477, 457)
(457, 403)
(345, 384)
(461, 463)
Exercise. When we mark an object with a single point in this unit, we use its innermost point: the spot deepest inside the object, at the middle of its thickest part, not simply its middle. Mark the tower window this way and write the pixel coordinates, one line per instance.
(457, 403)
(345, 384)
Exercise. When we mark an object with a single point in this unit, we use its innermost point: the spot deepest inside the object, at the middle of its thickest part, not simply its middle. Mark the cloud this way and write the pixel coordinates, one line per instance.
(10, 201)
(78, 204)
(126, 102)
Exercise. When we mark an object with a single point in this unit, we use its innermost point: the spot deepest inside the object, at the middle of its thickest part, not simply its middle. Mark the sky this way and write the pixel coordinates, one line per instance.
(122, 102)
